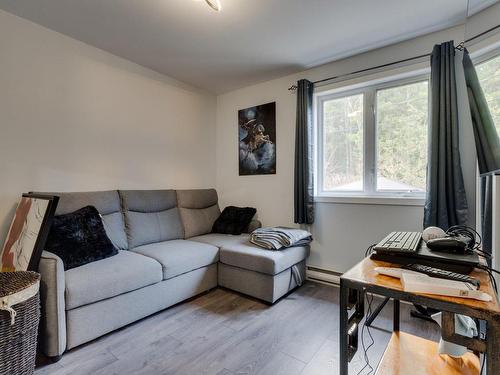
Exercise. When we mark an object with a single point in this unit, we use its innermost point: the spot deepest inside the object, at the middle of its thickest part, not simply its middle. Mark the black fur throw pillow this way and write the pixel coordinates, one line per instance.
(79, 238)
(233, 220)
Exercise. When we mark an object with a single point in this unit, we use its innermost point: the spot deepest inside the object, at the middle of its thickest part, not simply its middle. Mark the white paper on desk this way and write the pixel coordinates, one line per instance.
(431, 285)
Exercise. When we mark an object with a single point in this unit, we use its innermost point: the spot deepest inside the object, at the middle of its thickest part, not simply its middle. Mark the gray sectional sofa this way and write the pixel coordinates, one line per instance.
(167, 254)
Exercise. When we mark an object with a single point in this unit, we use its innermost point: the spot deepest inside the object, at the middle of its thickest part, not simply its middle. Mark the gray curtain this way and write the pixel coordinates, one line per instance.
(487, 145)
(487, 214)
(303, 179)
(446, 202)
(485, 133)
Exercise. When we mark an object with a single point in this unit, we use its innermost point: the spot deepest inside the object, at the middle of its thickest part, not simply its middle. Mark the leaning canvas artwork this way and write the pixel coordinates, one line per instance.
(257, 140)
(26, 234)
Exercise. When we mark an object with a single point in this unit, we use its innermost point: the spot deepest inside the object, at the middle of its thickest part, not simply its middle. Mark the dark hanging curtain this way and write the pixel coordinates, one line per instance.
(487, 145)
(485, 133)
(446, 202)
(303, 181)
(486, 214)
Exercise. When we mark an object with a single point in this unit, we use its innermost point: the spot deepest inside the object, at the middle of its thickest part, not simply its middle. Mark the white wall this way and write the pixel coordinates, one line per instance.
(73, 117)
(342, 231)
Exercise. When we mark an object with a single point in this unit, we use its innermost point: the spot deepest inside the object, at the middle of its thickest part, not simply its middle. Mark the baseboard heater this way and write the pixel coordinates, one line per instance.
(322, 275)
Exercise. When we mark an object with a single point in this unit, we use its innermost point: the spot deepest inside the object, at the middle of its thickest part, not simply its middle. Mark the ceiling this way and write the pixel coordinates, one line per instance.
(248, 41)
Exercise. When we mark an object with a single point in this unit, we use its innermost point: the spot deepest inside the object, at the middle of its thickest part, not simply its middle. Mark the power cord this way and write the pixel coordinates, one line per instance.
(369, 299)
(490, 271)
(476, 240)
(488, 268)
(482, 354)
(369, 250)
(465, 231)
(470, 233)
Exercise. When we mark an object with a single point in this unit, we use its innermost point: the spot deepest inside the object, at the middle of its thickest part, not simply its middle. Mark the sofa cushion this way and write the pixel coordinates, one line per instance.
(198, 210)
(238, 251)
(180, 256)
(197, 198)
(221, 240)
(108, 205)
(115, 229)
(198, 221)
(106, 202)
(150, 216)
(110, 277)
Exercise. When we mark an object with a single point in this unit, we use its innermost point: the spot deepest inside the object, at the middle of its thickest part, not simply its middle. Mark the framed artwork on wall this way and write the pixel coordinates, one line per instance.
(28, 233)
(257, 140)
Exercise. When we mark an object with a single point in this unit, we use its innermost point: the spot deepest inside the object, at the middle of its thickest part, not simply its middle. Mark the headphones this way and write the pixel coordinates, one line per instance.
(431, 233)
(458, 239)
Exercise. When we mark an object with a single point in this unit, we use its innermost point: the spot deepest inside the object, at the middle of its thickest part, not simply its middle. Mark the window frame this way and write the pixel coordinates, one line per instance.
(370, 194)
(485, 54)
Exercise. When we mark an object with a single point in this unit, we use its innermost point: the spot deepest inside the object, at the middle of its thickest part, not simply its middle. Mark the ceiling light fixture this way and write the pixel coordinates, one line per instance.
(214, 4)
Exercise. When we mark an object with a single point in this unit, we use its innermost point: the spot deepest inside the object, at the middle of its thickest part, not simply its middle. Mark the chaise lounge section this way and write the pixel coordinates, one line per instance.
(166, 255)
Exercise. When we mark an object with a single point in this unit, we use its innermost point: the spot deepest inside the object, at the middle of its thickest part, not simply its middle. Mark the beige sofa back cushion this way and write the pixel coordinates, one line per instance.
(198, 209)
(150, 216)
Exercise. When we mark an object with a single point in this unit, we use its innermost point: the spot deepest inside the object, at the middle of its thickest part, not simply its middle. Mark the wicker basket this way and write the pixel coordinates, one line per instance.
(19, 317)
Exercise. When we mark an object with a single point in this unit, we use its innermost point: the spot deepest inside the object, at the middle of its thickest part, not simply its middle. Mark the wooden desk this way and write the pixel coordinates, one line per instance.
(362, 278)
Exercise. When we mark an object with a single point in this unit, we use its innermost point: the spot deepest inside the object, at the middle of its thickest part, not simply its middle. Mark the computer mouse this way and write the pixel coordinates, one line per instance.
(448, 245)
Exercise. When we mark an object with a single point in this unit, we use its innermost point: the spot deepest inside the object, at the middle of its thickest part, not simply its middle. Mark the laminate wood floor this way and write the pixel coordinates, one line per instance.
(225, 333)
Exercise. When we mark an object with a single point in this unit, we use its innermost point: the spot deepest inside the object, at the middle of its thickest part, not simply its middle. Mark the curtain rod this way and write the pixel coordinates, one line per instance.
(460, 47)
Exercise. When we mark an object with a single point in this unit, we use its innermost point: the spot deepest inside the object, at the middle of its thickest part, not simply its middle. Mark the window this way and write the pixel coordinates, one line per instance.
(343, 143)
(488, 73)
(402, 114)
(372, 141)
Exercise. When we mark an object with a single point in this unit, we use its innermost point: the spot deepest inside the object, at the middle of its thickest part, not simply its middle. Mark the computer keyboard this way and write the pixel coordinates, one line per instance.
(400, 242)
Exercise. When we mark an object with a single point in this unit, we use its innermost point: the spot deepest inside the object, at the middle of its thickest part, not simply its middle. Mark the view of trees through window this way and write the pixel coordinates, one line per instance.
(402, 122)
(400, 127)
(488, 73)
(343, 143)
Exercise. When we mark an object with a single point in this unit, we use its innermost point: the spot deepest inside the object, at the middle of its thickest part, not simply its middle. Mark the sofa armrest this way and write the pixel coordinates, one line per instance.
(52, 287)
(254, 224)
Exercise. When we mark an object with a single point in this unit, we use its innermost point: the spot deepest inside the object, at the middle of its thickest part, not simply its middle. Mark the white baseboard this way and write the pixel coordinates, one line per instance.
(329, 277)
(322, 275)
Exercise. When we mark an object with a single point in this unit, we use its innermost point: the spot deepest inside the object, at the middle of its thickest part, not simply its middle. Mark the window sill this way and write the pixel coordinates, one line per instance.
(381, 200)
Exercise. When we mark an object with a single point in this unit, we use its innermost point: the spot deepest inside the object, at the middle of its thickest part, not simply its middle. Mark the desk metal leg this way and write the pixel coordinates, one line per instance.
(395, 319)
(374, 314)
(492, 345)
(344, 314)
